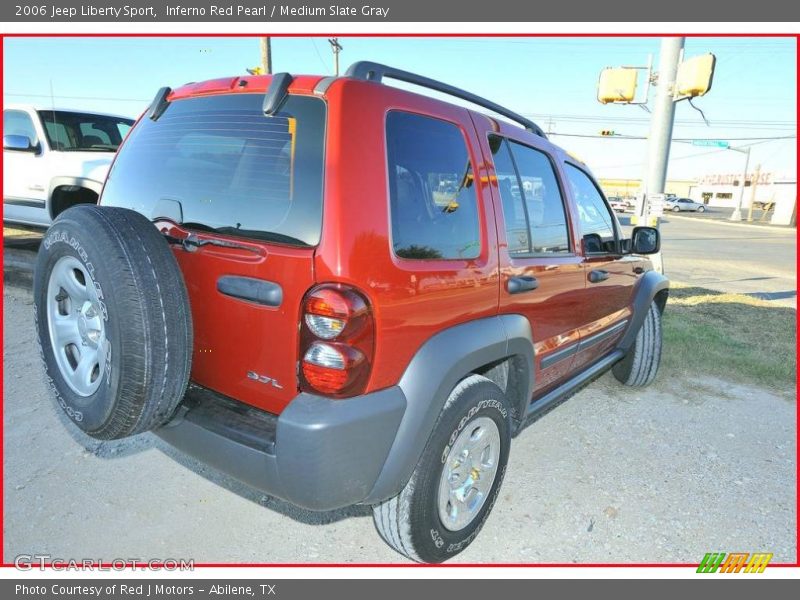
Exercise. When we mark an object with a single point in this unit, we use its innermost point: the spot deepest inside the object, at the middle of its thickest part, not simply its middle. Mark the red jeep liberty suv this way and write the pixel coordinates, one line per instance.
(341, 292)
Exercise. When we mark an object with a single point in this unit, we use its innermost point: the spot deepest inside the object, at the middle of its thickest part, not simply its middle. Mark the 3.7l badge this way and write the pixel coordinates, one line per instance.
(264, 379)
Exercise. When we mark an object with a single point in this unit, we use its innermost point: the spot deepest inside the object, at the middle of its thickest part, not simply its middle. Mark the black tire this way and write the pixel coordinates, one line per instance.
(145, 313)
(410, 522)
(701, 209)
(639, 366)
(676, 209)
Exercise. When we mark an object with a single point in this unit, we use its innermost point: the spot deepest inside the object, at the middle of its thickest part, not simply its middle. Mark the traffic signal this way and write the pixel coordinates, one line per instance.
(617, 85)
(607, 132)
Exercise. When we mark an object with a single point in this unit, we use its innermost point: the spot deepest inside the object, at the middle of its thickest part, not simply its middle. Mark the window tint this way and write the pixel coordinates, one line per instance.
(89, 129)
(218, 163)
(16, 122)
(432, 190)
(516, 221)
(72, 131)
(593, 214)
(533, 208)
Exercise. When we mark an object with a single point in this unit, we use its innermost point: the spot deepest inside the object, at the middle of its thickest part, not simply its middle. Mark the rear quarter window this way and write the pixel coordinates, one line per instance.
(217, 163)
(434, 209)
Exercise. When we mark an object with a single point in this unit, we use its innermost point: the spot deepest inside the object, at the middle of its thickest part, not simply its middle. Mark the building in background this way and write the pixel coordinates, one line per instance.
(630, 188)
(721, 190)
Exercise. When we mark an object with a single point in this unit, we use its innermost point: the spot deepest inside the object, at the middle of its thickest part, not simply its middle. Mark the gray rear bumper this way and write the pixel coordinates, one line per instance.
(320, 454)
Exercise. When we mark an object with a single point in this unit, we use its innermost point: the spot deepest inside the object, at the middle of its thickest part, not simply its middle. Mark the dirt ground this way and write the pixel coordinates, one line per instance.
(664, 474)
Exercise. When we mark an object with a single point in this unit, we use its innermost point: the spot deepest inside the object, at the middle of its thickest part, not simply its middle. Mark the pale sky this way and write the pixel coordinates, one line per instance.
(553, 80)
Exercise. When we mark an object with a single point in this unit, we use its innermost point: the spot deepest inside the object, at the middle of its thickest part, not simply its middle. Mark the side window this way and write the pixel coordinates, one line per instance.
(88, 130)
(60, 137)
(434, 206)
(533, 208)
(123, 129)
(17, 122)
(593, 215)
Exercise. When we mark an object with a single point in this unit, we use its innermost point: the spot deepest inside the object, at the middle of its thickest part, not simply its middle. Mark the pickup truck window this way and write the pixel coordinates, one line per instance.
(17, 122)
(83, 132)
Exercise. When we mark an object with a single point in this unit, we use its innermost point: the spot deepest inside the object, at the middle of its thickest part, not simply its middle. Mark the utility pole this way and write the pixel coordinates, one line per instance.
(336, 47)
(266, 55)
(753, 187)
(661, 122)
(737, 212)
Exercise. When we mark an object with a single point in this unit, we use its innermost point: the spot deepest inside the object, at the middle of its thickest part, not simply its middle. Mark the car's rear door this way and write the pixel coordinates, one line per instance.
(541, 275)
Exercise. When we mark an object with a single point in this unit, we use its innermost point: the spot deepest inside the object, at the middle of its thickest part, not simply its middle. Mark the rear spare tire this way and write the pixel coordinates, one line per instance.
(113, 321)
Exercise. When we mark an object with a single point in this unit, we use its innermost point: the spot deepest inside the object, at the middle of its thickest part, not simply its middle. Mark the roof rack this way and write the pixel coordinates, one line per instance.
(370, 71)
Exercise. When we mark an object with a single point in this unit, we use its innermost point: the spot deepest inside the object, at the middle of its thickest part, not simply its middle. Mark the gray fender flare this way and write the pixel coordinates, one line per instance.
(433, 372)
(649, 286)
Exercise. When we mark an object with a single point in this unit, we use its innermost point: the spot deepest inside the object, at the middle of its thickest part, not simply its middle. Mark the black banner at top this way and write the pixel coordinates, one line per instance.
(471, 11)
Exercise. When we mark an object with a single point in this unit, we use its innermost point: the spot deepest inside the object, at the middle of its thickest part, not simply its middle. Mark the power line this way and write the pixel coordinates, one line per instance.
(692, 139)
(625, 119)
(314, 43)
(79, 97)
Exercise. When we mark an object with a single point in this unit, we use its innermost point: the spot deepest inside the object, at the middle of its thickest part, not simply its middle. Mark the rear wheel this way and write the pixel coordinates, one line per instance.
(444, 505)
(639, 366)
(113, 321)
(701, 209)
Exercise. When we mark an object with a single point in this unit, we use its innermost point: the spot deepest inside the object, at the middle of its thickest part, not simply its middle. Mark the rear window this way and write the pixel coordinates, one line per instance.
(432, 189)
(217, 163)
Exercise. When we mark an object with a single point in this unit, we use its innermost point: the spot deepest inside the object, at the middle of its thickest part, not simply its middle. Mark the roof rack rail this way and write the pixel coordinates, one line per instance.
(371, 71)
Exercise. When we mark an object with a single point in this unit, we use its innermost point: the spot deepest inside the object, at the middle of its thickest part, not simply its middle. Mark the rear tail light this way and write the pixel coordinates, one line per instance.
(336, 341)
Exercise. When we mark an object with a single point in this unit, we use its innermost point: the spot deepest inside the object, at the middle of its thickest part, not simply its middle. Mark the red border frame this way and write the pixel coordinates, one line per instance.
(426, 35)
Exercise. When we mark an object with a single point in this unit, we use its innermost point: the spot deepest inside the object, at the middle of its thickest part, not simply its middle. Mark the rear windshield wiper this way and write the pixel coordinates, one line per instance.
(191, 243)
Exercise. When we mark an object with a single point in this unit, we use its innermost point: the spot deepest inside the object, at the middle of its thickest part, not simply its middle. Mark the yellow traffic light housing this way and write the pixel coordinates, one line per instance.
(617, 85)
(695, 76)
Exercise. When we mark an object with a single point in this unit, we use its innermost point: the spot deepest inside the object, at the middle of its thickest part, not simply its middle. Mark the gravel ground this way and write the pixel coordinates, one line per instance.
(614, 475)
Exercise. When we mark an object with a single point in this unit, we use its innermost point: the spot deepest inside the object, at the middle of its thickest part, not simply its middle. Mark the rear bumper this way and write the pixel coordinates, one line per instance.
(320, 454)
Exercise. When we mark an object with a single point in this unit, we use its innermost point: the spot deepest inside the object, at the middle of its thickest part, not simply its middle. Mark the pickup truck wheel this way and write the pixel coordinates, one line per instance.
(456, 482)
(113, 321)
(639, 366)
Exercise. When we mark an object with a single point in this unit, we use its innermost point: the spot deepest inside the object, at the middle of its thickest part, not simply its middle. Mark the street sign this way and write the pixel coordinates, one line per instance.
(655, 205)
(712, 143)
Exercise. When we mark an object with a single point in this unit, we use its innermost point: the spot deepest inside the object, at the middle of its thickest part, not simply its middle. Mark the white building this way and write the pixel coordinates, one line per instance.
(723, 190)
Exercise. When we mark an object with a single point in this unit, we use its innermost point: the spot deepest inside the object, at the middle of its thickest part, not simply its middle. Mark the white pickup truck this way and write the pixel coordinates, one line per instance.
(54, 159)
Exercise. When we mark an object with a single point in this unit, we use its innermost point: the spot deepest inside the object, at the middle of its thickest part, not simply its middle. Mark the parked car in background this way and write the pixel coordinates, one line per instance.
(618, 204)
(683, 204)
(54, 159)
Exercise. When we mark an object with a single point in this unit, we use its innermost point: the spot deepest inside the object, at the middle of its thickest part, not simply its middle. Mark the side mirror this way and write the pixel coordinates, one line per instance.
(19, 143)
(645, 240)
(592, 243)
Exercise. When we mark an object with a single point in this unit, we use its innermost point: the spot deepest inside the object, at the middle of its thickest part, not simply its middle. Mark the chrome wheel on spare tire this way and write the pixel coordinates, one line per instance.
(76, 326)
(113, 321)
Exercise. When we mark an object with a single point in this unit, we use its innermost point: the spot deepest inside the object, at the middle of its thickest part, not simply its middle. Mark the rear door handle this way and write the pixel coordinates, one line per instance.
(521, 283)
(597, 276)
